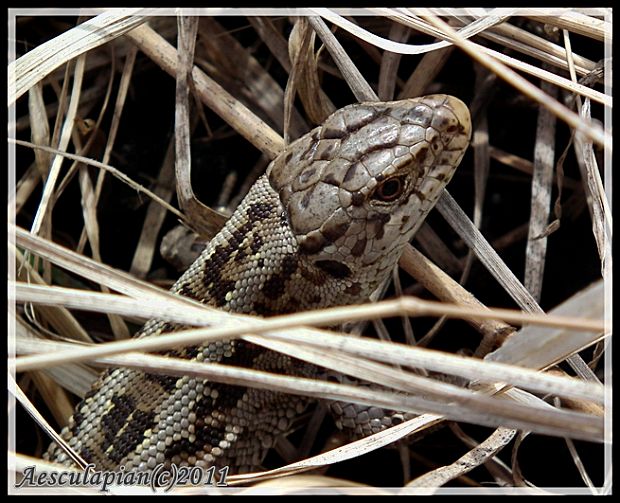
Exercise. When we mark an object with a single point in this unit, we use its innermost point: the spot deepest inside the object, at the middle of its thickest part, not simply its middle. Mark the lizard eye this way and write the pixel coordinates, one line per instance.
(389, 190)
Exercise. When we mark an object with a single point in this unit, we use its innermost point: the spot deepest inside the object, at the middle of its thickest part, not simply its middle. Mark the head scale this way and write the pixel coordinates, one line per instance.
(357, 188)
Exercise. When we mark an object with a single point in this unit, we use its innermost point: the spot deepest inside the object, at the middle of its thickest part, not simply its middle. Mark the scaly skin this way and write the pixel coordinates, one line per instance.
(324, 226)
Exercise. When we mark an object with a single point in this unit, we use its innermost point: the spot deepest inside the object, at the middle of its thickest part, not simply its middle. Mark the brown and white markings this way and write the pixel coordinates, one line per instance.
(324, 226)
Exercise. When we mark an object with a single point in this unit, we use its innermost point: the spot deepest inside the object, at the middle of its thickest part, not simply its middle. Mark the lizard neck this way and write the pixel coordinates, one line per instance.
(255, 265)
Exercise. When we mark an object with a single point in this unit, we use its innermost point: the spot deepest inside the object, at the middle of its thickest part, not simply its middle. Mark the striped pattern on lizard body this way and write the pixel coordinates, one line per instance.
(324, 226)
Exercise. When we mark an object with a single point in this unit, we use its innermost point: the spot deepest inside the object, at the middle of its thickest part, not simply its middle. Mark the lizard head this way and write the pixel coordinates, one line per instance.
(357, 188)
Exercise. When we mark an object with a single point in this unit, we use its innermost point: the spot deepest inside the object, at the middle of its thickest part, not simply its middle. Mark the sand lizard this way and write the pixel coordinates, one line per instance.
(324, 226)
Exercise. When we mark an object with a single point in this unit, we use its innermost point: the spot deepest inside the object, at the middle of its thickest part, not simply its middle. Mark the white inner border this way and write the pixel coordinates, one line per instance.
(13, 13)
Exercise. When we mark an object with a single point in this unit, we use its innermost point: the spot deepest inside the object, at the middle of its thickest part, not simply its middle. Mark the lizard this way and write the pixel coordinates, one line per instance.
(325, 225)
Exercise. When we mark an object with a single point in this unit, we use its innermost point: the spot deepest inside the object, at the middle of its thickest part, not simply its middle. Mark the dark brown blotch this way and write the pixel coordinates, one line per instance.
(333, 231)
(256, 244)
(331, 133)
(275, 286)
(115, 418)
(421, 155)
(315, 299)
(222, 255)
(87, 455)
(220, 290)
(289, 265)
(359, 247)
(132, 435)
(184, 446)
(353, 289)
(378, 222)
(357, 198)
(260, 309)
(187, 291)
(312, 243)
(403, 222)
(306, 175)
(305, 201)
(259, 211)
(325, 150)
(334, 268)
(240, 254)
(420, 195)
(294, 305)
(188, 353)
(331, 180)
(312, 276)
(167, 383)
(351, 172)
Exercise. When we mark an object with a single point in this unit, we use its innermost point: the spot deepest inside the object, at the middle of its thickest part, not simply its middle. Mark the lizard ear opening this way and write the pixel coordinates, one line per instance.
(334, 268)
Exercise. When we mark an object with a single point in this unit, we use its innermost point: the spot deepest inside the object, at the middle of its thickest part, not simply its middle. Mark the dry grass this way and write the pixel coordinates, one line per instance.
(535, 87)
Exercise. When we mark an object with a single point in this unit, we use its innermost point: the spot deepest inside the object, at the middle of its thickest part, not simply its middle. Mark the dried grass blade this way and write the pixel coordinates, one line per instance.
(480, 52)
(36, 415)
(527, 43)
(91, 229)
(540, 205)
(113, 171)
(35, 65)
(280, 329)
(46, 199)
(203, 219)
(480, 144)
(88, 98)
(404, 17)
(24, 188)
(597, 134)
(477, 456)
(238, 116)
(388, 71)
(589, 129)
(597, 200)
(489, 257)
(155, 215)
(451, 211)
(39, 128)
(97, 272)
(357, 83)
(273, 39)
(123, 89)
(470, 407)
(576, 22)
(304, 76)
(544, 347)
(237, 66)
(431, 64)
(61, 320)
(348, 451)
(445, 288)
